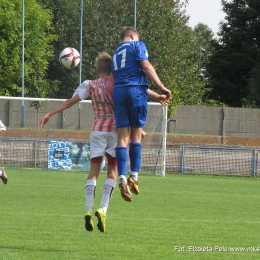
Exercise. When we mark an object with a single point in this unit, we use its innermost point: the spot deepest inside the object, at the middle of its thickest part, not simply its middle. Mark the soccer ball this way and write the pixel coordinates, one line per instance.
(69, 58)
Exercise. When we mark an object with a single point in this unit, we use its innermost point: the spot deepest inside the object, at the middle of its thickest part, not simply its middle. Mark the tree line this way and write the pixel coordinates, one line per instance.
(199, 67)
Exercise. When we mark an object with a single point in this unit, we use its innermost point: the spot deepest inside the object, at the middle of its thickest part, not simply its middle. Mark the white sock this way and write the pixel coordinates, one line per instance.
(108, 189)
(134, 175)
(122, 177)
(90, 194)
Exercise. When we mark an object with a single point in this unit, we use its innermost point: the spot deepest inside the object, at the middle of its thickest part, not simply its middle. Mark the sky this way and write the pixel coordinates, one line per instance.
(207, 12)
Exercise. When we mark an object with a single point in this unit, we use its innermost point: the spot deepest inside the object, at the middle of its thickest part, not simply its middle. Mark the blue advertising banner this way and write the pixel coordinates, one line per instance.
(68, 155)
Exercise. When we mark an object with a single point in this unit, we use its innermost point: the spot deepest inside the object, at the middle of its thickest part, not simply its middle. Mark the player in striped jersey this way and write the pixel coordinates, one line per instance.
(103, 137)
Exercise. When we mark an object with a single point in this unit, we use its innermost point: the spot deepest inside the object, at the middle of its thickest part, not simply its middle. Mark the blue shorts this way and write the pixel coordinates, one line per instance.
(130, 105)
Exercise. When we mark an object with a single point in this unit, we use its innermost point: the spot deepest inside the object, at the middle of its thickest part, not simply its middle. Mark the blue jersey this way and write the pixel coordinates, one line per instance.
(126, 64)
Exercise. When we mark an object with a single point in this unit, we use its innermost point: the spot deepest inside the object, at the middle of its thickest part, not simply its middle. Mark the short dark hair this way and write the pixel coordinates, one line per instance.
(126, 31)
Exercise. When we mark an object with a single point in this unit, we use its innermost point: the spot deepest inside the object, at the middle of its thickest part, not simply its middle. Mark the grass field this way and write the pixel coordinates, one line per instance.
(42, 217)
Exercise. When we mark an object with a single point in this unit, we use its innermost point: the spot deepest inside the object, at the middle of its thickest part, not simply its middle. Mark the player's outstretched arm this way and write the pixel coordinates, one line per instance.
(64, 105)
(152, 75)
(163, 99)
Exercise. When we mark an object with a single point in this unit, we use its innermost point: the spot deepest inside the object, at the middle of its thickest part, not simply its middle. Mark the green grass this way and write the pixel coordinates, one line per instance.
(42, 217)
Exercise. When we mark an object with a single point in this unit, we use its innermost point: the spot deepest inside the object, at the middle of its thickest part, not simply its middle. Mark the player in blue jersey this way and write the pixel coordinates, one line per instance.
(131, 68)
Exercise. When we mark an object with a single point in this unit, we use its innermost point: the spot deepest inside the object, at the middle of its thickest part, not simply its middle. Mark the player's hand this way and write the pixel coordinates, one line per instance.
(143, 134)
(44, 121)
(167, 92)
(163, 99)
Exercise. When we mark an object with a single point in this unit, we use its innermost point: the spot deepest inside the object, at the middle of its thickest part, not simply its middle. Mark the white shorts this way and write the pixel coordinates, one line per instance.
(101, 142)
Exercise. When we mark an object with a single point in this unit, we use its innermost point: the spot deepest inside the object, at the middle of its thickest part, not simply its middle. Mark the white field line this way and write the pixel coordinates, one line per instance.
(142, 219)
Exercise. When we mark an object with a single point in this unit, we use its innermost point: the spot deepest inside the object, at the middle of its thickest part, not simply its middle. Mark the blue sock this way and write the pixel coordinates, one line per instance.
(121, 158)
(135, 154)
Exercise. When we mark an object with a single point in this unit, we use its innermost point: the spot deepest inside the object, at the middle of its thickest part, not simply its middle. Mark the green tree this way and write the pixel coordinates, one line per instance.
(169, 42)
(203, 48)
(38, 50)
(253, 98)
(204, 37)
(162, 25)
(66, 22)
(236, 56)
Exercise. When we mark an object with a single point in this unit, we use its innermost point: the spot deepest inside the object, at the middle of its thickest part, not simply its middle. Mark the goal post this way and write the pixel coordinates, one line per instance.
(164, 142)
(154, 144)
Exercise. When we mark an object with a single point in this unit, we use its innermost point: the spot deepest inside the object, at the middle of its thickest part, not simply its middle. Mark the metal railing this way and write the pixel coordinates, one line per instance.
(184, 160)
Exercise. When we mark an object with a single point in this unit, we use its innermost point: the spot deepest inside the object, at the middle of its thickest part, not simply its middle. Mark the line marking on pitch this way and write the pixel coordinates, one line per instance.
(148, 219)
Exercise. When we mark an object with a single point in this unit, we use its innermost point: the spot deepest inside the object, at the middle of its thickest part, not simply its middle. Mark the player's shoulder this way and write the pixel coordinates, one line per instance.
(85, 83)
(130, 43)
(110, 79)
(140, 43)
(136, 43)
(109, 82)
(102, 81)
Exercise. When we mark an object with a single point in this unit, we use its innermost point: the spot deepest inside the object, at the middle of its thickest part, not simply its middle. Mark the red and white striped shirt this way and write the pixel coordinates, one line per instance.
(101, 93)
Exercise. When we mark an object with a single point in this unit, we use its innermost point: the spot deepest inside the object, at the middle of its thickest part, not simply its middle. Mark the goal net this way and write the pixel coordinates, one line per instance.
(32, 151)
(154, 144)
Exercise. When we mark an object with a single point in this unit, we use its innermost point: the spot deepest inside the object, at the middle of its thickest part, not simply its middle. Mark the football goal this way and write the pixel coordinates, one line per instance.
(33, 149)
(154, 144)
